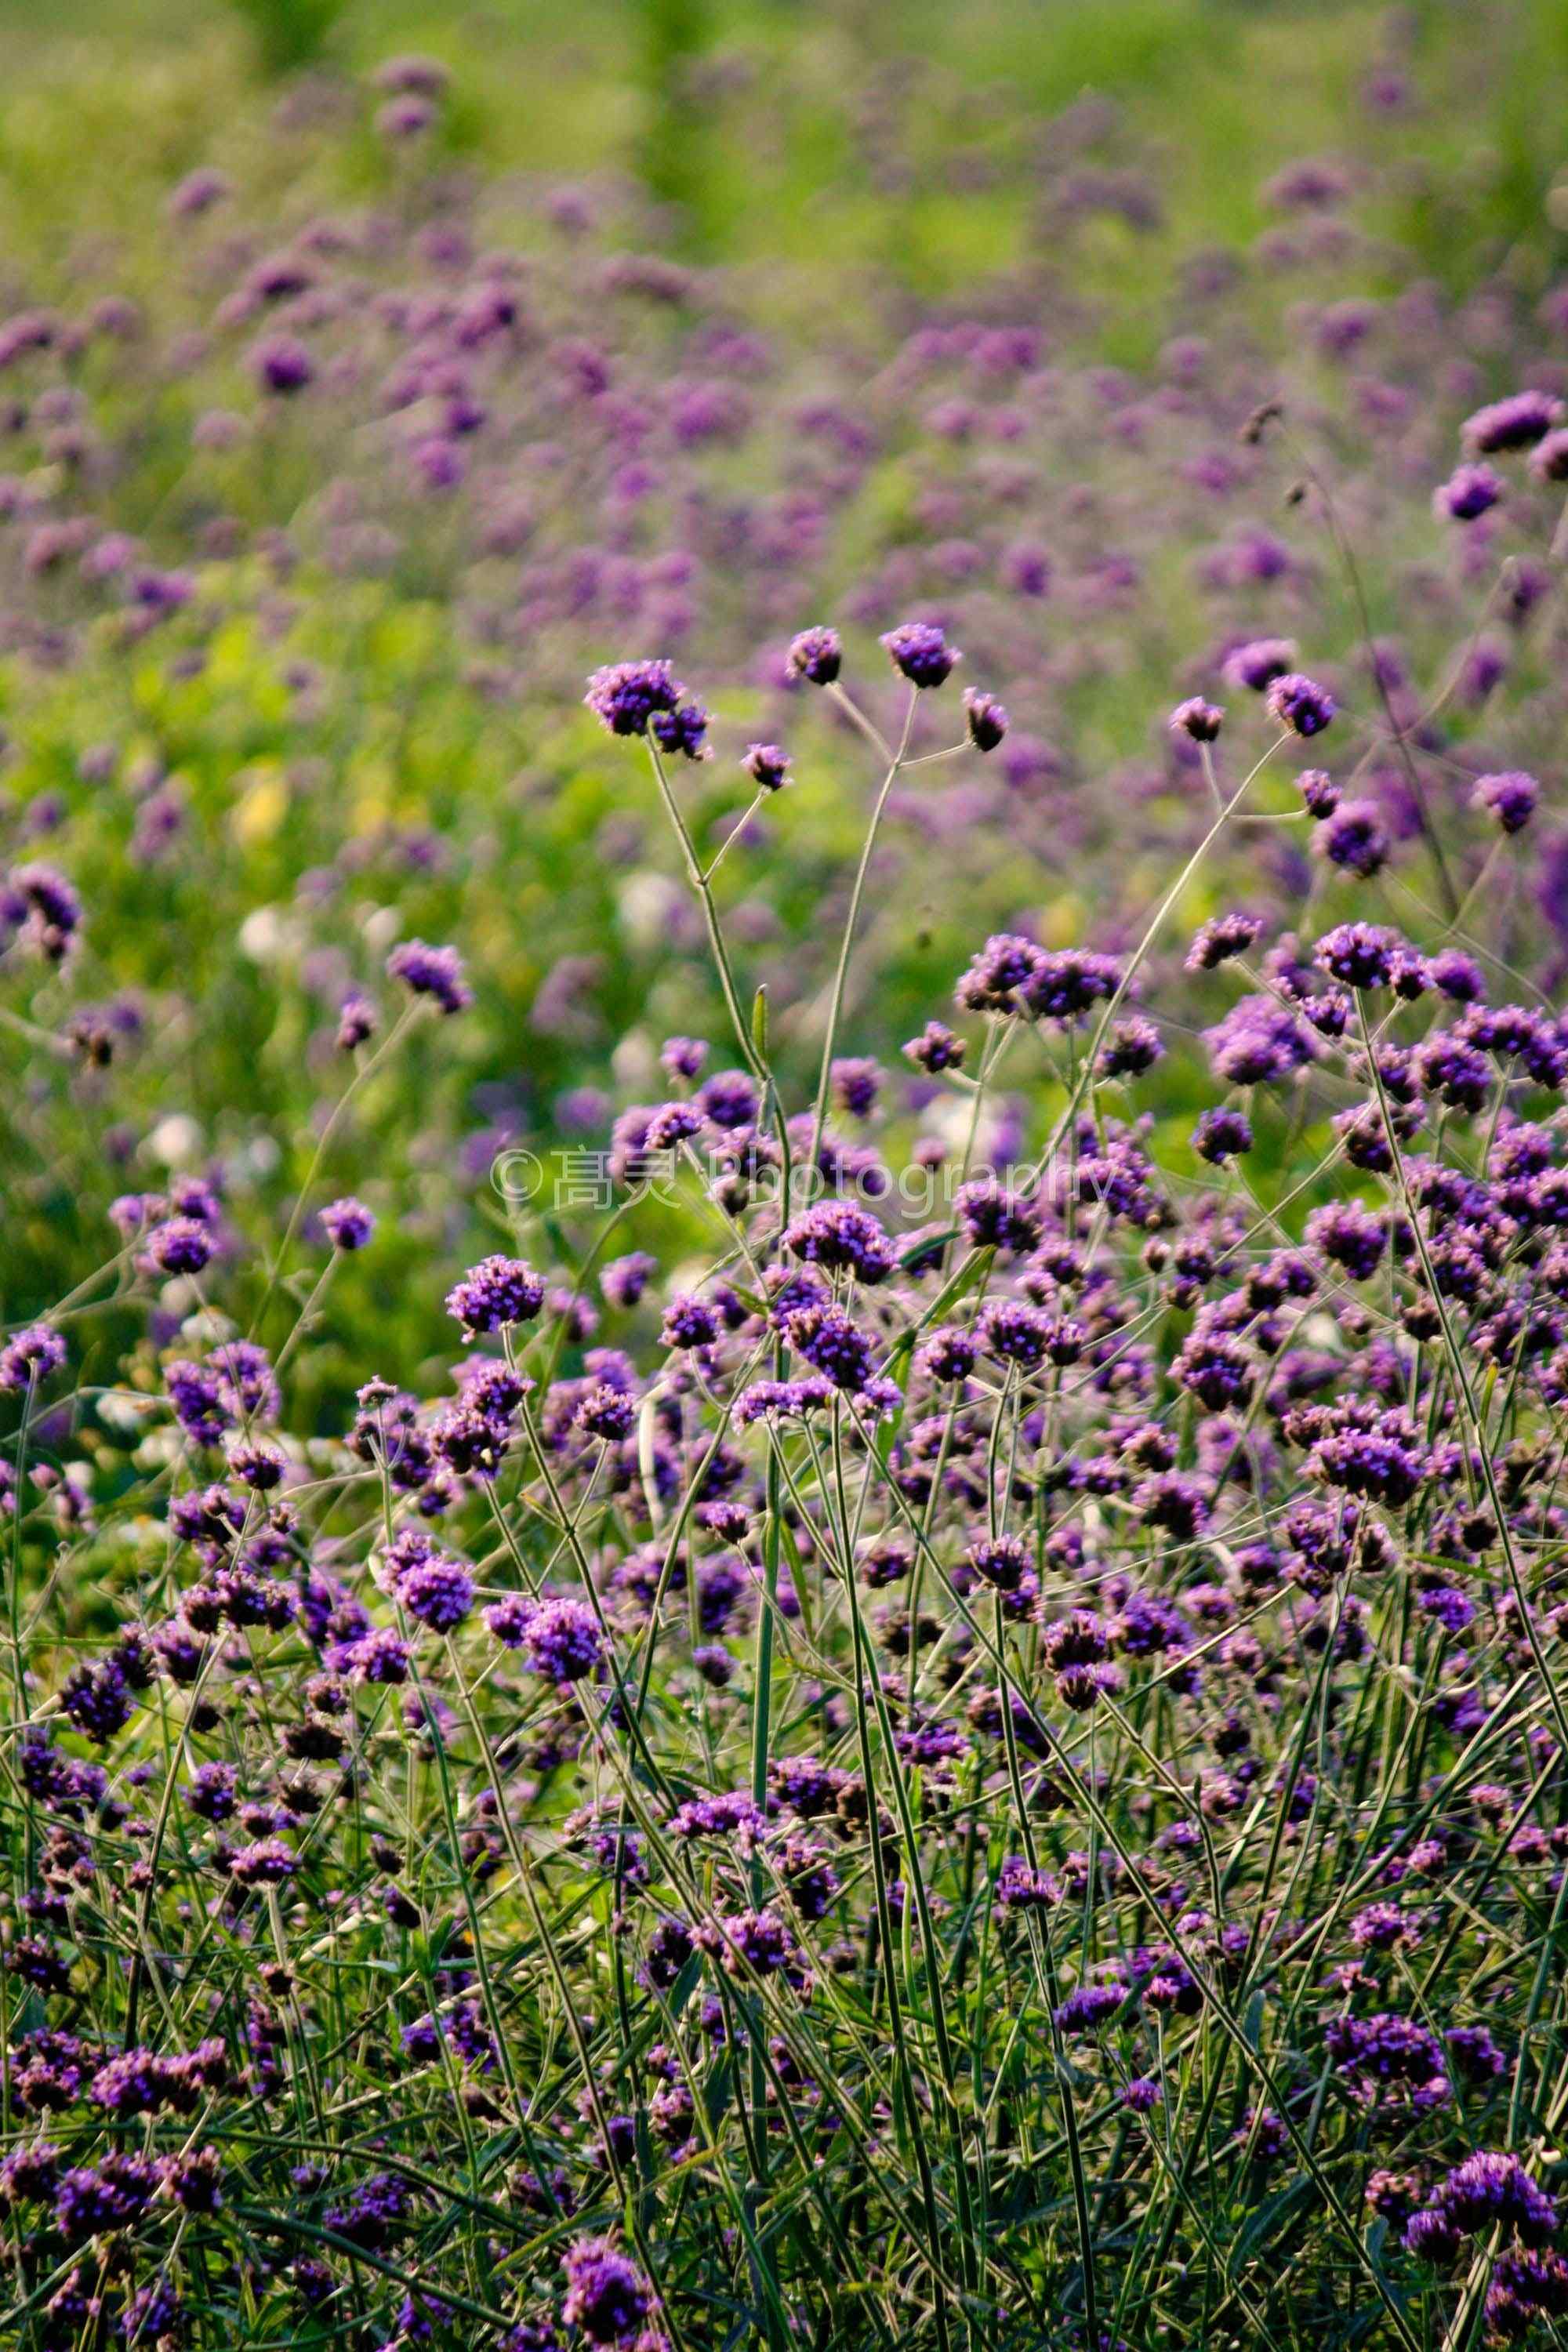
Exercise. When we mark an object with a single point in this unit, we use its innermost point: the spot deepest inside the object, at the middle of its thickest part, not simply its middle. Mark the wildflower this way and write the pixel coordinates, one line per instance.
(1511, 798)
(562, 1640)
(282, 365)
(266, 1862)
(1258, 1041)
(607, 2296)
(437, 1590)
(495, 1295)
(435, 972)
(841, 1235)
(625, 1279)
(1259, 662)
(31, 1356)
(1362, 955)
(817, 655)
(1353, 837)
(1220, 939)
(180, 1245)
(986, 720)
(1470, 491)
(356, 1022)
(1197, 718)
(606, 1412)
(1523, 418)
(1133, 1046)
(1300, 704)
(1350, 1236)
(1221, 1135)
(767, 766)
(48, 908)
(919, 652)
(348, 1224)
(683, 730)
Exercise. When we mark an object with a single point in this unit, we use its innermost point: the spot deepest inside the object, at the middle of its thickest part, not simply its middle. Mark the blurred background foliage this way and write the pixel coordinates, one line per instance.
(754, 126)
(116, 96)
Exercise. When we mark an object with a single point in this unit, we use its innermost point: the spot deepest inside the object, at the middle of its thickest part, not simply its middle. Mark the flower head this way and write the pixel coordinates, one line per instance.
(1299, 703)
(919, 652)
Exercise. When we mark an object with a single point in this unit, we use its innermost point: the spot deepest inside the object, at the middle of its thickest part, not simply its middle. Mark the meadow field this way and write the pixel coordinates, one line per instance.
(783, 1292)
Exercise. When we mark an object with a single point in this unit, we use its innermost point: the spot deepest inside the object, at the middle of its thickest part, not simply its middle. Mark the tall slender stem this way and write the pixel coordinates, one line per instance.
(836, 1005)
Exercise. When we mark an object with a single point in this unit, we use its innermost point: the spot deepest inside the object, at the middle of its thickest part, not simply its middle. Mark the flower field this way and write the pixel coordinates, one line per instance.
(783, 1307)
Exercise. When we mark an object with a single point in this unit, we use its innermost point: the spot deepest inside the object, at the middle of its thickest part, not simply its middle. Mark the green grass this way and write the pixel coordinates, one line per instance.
(1227, 89)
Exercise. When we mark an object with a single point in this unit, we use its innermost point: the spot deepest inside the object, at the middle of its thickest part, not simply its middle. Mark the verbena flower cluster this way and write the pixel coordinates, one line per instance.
(943, 1719)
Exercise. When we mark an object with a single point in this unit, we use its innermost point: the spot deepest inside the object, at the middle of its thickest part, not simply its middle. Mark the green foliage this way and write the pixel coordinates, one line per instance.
(289, 34)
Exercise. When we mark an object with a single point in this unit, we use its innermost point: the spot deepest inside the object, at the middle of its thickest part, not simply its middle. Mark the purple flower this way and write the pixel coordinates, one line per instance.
(1088, 2008)
(1222, 937)
(817, 655)
(833, 1345)
(1516, 423)
(1475, 2053)
(1362, 955)
(413, 77)
(996, 1217)
(936, 1048)
(563, 1641)
(683, 730)
(624, 1279)
(1354, 837)
(496, 1294)
(356, 1022)
(1195, 718)
(99, 1698)
(1458, 975)
(856, 1080)
(1524, 2287)
(946, 1354)
(1015, 1332)
(1258, 663)
(1067, 984)
(1133, 1045)
(282, 364)
(1222, 1134)
(1004, 966)
(919, 652)
(1349, 1235)
(266, 1862)
(31, 1356)
(1020, 1887)
(93, 2199)
(987, 720)
(29, 2175)
(1512, 797)
(753, 1941)
(606, 1412)
(767, 766)
(1484, 2190)
(436, 972)
(688, 1322)
(1003, 1561)
(180, 1245)
(1470, 491)
(348, 1224)
(1299, 703)
(841, 1236)
(439, 1591)
(1258, 1041)
(197, 193)
(1319, 791)
(607, 2296)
